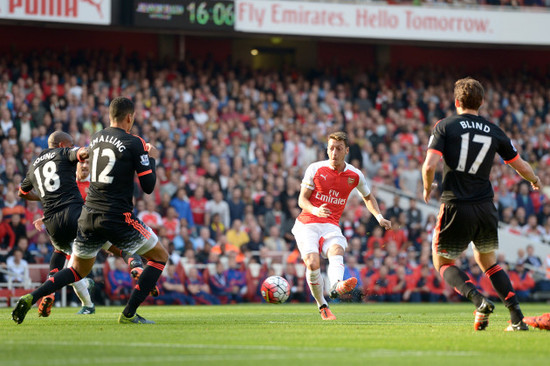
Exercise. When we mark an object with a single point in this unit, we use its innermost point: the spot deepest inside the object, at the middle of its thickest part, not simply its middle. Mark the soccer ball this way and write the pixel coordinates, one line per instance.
(275, 290)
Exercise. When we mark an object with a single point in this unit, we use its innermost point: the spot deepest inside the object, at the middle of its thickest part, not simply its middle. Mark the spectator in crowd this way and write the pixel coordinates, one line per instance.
(236, 205)
(18, 227)
(150, 216)
(298, 284)
(523, 281)
(219, 284)
(23, 245)
(172, 290)
(220, 207)
(352, 270)
(197, 202)
(273, 241)
(120, 279)
(18, 269)
(255, 242)
(12, 207)
(381, 285)
(400, 285)
(425, 287)
(7, 236)
(237, 235)
(181, 204)
(171, 223)
(41, 249)
(523, 199)
(198, 289)
(521, 257)
(532, 259)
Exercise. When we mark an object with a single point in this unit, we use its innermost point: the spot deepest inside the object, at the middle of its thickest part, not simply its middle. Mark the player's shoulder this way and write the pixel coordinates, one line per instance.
(319, 165)
(445, 122)
(138, 141)
(353, 170)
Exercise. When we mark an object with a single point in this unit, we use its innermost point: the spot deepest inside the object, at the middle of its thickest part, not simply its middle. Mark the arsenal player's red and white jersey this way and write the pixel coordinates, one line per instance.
(83, 186)
(333, 188)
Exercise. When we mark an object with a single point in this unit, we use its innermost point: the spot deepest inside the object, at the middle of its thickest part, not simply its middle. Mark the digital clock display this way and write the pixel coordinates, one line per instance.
(191, 15)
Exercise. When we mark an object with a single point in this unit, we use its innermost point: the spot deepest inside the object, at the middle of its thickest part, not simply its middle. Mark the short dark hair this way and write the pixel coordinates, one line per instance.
(339, 136)
(58, 137)
(119, 108)
(469, 93)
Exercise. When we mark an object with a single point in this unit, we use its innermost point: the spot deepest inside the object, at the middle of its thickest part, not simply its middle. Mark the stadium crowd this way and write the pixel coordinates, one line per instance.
(234, 145)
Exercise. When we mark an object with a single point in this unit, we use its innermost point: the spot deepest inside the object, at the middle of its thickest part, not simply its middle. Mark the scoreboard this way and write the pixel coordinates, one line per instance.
(210, 15)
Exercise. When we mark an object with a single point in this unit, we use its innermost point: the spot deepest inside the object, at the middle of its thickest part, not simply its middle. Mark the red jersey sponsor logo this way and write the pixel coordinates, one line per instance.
(329, 187)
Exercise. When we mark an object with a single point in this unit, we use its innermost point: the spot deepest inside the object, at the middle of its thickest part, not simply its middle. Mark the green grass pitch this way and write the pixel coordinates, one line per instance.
(260, 334)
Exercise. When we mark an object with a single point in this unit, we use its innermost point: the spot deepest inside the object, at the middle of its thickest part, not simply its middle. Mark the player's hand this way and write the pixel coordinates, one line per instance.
(386, 224)
(537, 185)
(152, 150)
(321, 211)
(428, 192)
(84, 153)
(39, 224)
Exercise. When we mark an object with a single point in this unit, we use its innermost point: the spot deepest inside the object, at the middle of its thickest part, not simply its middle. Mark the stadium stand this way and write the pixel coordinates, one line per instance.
(229, 128)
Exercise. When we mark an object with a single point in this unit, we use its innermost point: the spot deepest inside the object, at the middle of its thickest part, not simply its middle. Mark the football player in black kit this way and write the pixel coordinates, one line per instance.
(467, 143)
(115, 157)
(52, 175)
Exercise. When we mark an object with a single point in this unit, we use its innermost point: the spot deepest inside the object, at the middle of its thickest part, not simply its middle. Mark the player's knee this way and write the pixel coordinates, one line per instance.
(335, 250)
(159, 253)
(312, 263)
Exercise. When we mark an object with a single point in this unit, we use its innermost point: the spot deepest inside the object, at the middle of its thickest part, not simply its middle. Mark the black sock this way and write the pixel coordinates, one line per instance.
(57, 262)
(146, 283)
(505, 290)
(461, 283)
(52, 284)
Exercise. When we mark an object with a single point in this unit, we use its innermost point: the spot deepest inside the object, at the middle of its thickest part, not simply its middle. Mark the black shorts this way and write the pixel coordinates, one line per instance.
(459, 224)
(125, 231)
(62, 226)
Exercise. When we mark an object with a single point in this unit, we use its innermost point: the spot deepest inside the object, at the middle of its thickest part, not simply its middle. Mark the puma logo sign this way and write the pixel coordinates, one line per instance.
(324, 176)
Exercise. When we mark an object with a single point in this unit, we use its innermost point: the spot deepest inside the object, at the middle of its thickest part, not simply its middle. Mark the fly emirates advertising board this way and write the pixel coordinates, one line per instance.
(417, 23)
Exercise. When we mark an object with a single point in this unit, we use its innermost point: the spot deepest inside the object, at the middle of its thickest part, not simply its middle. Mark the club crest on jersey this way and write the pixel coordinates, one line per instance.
(351, 181)
(144, 159)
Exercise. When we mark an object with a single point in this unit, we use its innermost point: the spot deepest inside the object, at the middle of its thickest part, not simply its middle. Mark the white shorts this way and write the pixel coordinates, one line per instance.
(317, 238)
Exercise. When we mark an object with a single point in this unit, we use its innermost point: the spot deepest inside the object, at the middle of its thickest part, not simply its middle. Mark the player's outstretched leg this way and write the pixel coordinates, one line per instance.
(22, 307)
(343, 287)
(482, 313)
(58, 281)
(540, 322)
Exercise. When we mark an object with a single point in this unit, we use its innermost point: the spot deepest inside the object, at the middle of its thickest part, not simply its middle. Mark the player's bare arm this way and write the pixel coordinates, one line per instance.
(372, 206)
(306, 205)
(526, 172)
(428, 173)
(29, 196)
